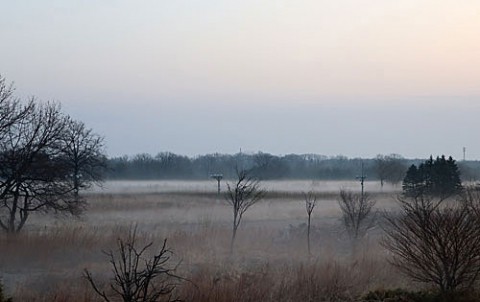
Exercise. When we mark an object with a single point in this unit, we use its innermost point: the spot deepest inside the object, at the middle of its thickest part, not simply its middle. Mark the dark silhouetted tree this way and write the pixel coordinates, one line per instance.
(84, 155)
(267, 166)
(137, 277)
(35, 171)
(436, 242)
(33, 175)
(12, 110)
(413, 183)
(439, 177)
(357, 212)
(310, 202)
(389, 168)
(241, 194)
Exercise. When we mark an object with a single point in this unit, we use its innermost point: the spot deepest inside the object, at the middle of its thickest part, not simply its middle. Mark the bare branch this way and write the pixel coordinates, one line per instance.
(36, 168)
(434, 241)
(310, 202)
(357, 212)
(136, 277)
(241, 195)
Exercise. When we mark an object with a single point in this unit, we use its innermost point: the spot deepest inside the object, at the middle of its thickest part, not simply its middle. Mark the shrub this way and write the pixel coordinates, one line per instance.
(3, 297)
(400, 295)
(357, 210)
(435, 242)
(136, 277)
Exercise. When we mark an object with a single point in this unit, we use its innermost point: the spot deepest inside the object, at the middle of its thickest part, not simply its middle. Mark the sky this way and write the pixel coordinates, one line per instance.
(333, 77)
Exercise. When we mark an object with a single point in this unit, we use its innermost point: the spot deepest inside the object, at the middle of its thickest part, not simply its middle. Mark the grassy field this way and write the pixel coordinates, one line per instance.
(270, 263)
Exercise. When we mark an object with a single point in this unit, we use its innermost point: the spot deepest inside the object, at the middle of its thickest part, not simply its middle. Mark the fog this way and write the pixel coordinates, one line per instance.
(195, 77)
(292, 186)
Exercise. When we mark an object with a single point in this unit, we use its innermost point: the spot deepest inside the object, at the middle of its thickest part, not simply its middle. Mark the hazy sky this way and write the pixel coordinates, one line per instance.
(351, 77)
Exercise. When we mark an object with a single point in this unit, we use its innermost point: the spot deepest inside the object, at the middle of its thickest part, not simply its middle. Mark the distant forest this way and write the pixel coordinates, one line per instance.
(388, 168)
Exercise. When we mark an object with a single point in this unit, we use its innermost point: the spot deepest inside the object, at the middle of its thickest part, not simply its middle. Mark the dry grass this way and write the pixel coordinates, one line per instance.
(46, 262)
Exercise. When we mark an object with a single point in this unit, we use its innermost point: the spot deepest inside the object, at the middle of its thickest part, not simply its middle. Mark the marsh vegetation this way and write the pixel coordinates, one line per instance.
(46, 261)
(281, 253)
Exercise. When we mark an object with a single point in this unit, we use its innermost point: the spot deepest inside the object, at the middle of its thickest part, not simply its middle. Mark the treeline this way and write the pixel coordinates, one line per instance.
(166, 165)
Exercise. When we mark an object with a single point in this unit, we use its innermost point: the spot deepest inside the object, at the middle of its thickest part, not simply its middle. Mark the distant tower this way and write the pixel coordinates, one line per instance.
(218, 177)
(464, 151)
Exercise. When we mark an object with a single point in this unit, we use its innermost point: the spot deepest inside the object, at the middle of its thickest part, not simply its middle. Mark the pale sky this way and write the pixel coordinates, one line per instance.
(351, 77)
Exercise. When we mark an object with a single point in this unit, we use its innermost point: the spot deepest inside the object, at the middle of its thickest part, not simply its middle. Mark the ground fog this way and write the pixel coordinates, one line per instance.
(270, 260)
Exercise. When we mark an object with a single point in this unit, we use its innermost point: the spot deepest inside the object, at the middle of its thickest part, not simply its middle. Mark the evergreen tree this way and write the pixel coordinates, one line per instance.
(454, 175)
(413, 184)
(439, 177)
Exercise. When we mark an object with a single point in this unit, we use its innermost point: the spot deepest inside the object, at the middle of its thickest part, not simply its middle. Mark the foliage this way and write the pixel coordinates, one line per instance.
(435, 242)
(167, 165)
(136, 277)
(268, 166)
(357, 212)
(439, 177)
(3, 297)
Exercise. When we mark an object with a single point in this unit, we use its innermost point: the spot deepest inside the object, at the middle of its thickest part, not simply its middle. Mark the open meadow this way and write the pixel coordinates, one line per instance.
(46, 261)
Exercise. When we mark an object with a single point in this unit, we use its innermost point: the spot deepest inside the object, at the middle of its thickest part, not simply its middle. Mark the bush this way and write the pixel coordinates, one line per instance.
(357, 211)
(138, 277)
(400, 295)
(3, 297)
(435, 242)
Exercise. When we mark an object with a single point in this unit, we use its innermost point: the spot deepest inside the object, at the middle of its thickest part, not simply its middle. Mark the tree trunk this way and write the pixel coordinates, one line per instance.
(23, 219)
(234, 235)
(76, 182)
(13, 213)
(308, 236)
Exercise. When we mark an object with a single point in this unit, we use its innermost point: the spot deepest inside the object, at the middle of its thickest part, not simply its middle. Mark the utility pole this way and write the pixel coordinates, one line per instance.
(362, 178)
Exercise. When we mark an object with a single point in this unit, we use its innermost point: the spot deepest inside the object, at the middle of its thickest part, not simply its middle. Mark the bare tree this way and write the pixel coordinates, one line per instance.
(138, 278)
(11, 109)
(357, 212)
(471, 198)
(241, 195)
(381, 168)
(83, 152)
(310, 202)
(35, 171)
(434, 241)
(32, 172)
(390, 168)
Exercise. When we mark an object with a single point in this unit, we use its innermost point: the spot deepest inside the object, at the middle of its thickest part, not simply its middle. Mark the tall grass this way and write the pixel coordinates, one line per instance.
(270, 262)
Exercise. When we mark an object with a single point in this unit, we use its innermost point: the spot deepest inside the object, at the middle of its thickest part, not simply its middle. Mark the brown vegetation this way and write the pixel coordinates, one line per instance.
(436, 241)
(46, 262)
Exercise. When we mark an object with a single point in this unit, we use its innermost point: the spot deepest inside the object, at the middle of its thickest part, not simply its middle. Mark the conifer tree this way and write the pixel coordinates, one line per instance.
(439, 177)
